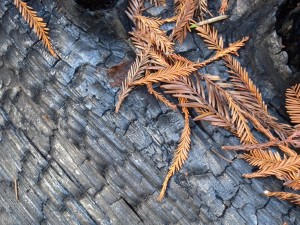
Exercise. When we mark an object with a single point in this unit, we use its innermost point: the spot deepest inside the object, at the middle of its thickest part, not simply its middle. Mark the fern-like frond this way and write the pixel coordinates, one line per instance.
(148, 29)
(172, 72)
(262, 158)
(210, 37)
(247, 92)
(134, 9)
(35, 22)
(220, 98)
(201, 8)
(294, 184)
(160, 97)
(280, 169)
(294, 198)
(158, 58)
(136, 72)
(232, 49)
(182, 24)
(245, 88)
(293, 180)
(248, 95)
(224, 7)
(195, 93)
(293, 103)
(215, 88)
(140, 41)
(238, 118)
(145, 23)
(182, 150)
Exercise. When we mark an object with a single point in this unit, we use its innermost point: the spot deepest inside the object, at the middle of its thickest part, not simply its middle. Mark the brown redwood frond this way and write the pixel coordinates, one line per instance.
(280, 169)
(215, 88)
(175, 58)
(160, 97)
(261, 158)
(219, 97)
(224, 7)
(35, 22)
(293, 103)
(232, 49)
(292, 180)
(136, 72)
(145, 23)
(194, 92)
(210, 37)
(243, 130)
(201, 8)
(248, 95)
(248, 92)
(294, 198)
(134, 9)
(245, 94)
(149, 30)
(140, 41)
(182, 25)
(158, 58)
(182, 150)
(294, 184)
(172, 72)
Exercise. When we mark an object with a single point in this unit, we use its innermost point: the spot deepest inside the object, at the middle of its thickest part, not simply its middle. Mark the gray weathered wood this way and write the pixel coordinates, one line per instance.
(78, 162)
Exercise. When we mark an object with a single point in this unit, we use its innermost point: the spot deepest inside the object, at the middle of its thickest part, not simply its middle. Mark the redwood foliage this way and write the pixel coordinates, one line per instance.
(235, 104)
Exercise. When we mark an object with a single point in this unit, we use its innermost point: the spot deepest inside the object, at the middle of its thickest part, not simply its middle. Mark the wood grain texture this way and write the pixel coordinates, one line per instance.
(78, 162)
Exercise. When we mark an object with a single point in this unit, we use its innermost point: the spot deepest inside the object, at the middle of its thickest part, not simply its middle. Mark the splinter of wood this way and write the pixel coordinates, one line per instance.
(209, 21)
(16, 189)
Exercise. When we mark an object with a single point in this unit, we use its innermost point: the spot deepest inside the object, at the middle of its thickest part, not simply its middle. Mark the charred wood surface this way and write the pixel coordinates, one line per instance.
(78, 162)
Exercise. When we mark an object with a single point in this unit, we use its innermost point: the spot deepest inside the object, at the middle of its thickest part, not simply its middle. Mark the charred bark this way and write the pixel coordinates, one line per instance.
(77, 162)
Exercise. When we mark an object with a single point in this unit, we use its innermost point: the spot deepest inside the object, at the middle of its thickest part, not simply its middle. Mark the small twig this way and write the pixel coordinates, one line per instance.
(275, 142)
(218, 154)
(16, 189)
(208, 21)
(250, 147)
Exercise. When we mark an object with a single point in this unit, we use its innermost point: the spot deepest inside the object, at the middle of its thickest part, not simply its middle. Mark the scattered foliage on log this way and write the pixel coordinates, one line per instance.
(234, 104)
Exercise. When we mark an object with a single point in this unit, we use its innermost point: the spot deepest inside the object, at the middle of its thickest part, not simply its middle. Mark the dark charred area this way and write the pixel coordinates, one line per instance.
(96, 4)
(76, 161)
(288, 27)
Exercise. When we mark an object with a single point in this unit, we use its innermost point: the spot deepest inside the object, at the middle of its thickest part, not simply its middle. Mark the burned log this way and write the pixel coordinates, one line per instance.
(76, 161)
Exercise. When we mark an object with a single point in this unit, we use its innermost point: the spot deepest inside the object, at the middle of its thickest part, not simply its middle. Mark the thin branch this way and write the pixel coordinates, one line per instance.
(275, 142)
(16, 189)
(209, 21)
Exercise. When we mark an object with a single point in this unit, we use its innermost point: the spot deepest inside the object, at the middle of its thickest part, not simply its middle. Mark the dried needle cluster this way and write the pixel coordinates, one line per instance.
(235, 105)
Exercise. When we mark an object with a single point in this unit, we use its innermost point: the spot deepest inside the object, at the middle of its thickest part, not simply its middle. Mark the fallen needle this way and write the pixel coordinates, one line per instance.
(16, 189)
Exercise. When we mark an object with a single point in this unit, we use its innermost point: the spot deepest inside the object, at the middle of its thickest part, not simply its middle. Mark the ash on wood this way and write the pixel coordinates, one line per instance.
(77, 162)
